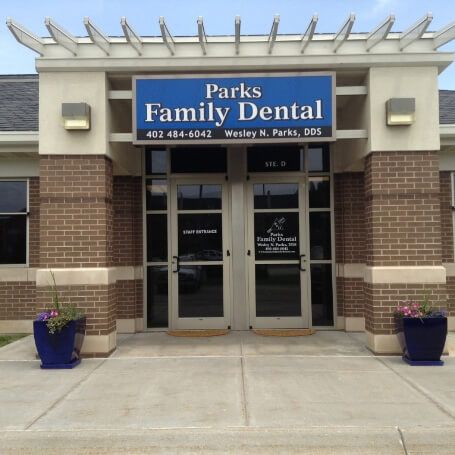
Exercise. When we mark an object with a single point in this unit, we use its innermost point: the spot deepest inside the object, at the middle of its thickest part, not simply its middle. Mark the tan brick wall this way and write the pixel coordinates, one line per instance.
(350, 297)
(128, 243)
(402, 212)
(97, 302)
(127, 220)
(349, 207)
(451, 295)
(129, 299)
(446, 217)
(383, 299)
(76, 211)
(403, 228)
(17, 300)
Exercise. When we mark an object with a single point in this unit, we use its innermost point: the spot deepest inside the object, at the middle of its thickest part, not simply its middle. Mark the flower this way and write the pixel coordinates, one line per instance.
(414, 309)
(57, 318)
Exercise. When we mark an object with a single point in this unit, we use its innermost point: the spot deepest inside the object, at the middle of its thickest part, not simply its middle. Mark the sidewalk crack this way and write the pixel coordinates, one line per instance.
(400, 432)
(419, 389)
(246, 416)
(65, 395)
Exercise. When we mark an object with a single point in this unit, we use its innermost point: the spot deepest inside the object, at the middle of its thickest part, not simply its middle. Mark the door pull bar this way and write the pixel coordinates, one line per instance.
(177, 259)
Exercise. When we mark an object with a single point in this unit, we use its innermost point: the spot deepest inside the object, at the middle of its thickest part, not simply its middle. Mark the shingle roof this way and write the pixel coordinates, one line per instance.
(19, 102)
(446, 106)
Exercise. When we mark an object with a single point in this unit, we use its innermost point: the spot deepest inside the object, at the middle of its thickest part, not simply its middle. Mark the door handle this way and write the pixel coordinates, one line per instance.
(177, 262)
(301, 263)
(228, 253)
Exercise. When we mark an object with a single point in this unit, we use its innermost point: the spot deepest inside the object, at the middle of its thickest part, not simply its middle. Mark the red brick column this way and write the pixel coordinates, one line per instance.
(76, 241)
(350, 246)
(403, 238)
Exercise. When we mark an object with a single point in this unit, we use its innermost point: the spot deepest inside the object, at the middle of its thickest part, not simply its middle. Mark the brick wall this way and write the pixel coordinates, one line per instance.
(403, 218)
(349, 217)
(127, 220)
(349, 239)
(128, 243)
(446, 217)
(383, 299)
(98, 302)
(403, 228)
(17, 300)
(76, 211)
(76, 221)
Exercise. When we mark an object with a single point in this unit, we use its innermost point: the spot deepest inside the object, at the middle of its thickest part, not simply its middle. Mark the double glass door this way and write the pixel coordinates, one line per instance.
(199, 254)
(277, 255)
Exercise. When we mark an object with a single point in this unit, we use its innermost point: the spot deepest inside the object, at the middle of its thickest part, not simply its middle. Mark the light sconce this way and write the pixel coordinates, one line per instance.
(76, 116)
(401, 111)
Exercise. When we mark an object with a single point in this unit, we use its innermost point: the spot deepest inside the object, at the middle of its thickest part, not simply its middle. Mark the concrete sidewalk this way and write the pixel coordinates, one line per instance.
(239, 393)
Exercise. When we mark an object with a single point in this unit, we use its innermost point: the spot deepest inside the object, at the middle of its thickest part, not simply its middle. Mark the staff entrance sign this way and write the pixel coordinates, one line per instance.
(205, 109)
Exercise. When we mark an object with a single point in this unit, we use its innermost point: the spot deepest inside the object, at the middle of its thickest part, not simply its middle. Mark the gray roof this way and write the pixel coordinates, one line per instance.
(447, 106)
(19, 102)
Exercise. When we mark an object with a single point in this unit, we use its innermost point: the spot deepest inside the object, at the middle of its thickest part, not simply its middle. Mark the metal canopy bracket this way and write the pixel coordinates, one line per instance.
(168, 40)
(97, 36)
(131, 36)
(237, 33)
(415, 31)
(23, 36)
(61, 36)
(380, 33)
(273, 32)
(308, 35)
(444, 36)
(343, 34)
(201, 34)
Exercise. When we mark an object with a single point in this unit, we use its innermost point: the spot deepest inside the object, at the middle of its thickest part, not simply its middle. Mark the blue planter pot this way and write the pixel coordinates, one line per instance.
(424, 340)
(61, 349)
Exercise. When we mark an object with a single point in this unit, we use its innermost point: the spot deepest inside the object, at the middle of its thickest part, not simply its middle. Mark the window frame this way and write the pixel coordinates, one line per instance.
(27, 221)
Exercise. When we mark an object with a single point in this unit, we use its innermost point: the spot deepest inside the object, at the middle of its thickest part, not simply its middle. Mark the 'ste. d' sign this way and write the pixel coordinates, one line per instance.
(290, 108)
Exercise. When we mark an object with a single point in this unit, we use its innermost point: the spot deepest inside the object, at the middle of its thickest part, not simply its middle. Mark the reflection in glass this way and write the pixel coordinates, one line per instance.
(13, 233)
(276, 195)
(320, 238)
(278, 290)
(200, 237)
(157, 296)
(155, 162)
(201, 291)
(321, 294)
(156, 238)
(199, 197)
(203, 160)
(319, 159)
(156, 194)
(13, 197)
(319, 192)
(275, 158)
(276, 235)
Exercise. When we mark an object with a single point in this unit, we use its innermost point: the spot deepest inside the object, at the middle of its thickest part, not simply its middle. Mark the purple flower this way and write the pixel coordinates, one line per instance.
(44, 316)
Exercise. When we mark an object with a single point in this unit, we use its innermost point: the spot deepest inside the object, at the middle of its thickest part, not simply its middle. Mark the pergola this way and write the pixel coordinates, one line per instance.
(380, 40)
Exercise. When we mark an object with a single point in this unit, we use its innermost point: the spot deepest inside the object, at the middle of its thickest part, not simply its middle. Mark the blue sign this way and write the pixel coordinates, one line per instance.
(292, 108)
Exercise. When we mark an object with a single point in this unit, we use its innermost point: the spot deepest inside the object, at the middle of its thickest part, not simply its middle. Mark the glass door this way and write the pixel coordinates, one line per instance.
(277, 256)
(200, 254)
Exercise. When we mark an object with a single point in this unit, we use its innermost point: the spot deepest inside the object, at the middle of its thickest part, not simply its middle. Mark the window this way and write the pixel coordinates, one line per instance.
(13, 222)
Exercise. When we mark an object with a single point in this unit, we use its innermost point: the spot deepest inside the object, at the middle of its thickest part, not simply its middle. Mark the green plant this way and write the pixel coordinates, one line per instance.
(57, 318)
